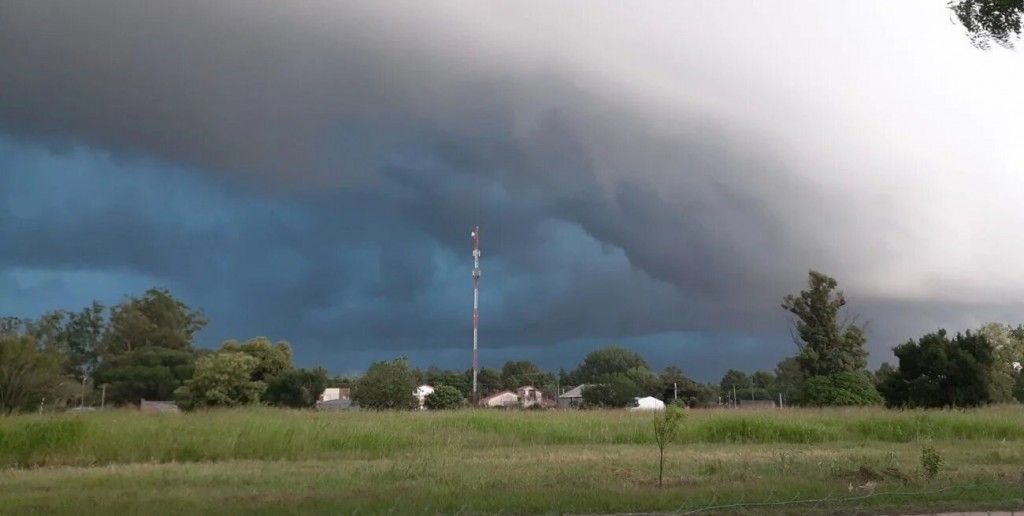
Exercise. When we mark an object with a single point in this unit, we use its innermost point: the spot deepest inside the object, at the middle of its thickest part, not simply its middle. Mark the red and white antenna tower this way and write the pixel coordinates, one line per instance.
(476, 316)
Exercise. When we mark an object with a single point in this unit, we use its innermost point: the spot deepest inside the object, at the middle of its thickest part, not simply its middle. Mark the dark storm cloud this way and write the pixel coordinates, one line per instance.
(630, 177)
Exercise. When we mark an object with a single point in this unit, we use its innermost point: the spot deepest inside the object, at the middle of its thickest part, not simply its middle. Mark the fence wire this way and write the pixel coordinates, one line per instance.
(863, 504)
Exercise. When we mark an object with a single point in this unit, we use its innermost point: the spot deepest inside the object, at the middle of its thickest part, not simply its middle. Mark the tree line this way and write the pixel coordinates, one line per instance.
(143, 349)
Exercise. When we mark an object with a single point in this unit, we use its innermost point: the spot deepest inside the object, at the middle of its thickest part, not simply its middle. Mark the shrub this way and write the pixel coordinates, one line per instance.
(444, 397)
(841, 389)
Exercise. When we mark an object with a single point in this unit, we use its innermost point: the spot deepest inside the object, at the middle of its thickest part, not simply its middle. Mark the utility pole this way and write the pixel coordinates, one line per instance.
(675, 390)
(476, 295)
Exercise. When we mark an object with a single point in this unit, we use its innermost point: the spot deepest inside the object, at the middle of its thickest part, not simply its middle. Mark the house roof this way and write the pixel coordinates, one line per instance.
(576, 392)
(495, 395)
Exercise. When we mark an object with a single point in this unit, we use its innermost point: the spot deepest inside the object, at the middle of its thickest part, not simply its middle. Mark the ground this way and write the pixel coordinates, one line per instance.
(865, 461)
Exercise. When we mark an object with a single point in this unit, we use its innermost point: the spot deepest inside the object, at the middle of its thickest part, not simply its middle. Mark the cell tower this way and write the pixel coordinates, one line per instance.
(476, 315)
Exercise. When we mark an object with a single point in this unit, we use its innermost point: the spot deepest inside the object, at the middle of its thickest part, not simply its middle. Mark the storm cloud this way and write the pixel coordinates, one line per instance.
(657, 174)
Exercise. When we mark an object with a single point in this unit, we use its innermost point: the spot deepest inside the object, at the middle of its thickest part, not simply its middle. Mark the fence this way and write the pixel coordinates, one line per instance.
(995, 499)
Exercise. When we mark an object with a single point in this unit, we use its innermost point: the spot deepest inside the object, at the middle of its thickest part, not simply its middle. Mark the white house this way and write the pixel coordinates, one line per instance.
(501, 399)
(529, 396)
(335, 393)
(422, 392)
(648, 403)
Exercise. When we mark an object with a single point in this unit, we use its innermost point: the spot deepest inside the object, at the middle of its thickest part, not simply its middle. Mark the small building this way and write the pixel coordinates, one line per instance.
(421, 394)
(336, 405)
(757, 404)
(503, 399)
(572, 398)
(335, 393)
(158, 406)
(647, 403)
(529, 396)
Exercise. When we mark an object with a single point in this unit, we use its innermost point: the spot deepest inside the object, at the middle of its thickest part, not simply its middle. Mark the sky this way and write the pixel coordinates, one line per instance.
(655, 175)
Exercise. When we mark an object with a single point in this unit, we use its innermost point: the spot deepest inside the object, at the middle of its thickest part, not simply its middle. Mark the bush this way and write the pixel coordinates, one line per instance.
(841, 389)
(444, 397)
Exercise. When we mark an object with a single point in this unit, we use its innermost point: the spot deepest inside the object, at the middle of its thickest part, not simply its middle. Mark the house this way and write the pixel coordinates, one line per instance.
(336, 405)
(158, 406)
(573, 398)
(757, 404)
(335, 393)
(529, 396)
(421, 394)
(502, 399)
(647, 403)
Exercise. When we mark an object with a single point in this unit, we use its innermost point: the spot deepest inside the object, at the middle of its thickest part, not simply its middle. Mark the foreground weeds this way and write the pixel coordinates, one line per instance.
(265, 461)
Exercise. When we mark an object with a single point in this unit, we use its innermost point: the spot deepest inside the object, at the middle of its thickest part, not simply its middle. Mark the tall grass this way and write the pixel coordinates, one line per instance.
(268, 434)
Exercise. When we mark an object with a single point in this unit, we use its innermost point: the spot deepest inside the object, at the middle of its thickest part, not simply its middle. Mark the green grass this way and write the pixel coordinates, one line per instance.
(276, 461)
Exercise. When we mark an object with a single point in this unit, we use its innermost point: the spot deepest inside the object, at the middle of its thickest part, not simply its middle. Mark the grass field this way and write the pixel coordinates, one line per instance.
(475, 462)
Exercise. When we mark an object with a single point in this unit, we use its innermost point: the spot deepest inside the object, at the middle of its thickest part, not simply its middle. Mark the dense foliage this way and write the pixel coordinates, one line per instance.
(387, 385)
(143, 349)
(444, 397)
(936, 371)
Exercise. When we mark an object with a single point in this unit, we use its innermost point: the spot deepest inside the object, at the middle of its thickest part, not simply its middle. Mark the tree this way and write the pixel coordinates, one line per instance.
(827, 346)
(1018, 386)
(517, 373)
(1007, 351)
(989, 21)
(296, 388)
(387, 385)
(157, 319)
(444, 397)
(488, 381)
(28, 374)
(222, 379)
(273, 359)
(841, 390)
(789, 380)
(10, 325)
(665, 429)
(607, 361)
(883, 373)
(936, 371)
(690, 393)
(610, 391)
(734, 379)
(151, 373)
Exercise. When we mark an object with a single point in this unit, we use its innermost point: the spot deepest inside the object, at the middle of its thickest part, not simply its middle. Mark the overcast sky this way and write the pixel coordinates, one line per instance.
(651, 174)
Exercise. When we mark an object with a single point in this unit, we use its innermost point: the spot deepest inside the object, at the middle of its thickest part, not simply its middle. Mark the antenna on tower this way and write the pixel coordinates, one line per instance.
(476, 315)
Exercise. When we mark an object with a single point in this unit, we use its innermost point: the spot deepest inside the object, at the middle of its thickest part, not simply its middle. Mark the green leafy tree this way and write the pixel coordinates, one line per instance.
(273, 359)
(11, 325)
(387, 385)
(1007, 351)
(936, 371)
(609, 360)
(988, 21)
(789, 380)
(827, 345)
(296, 388)
(883, 373)
(150, 373)
(28, 374)
(1018, 386)
(666, 427)
(444, 397)
(488, 381)
(610, 391)
(841, 389)
(157, 319)
(518, 373)
(734, 378)
(222, 379)
(687, 392)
